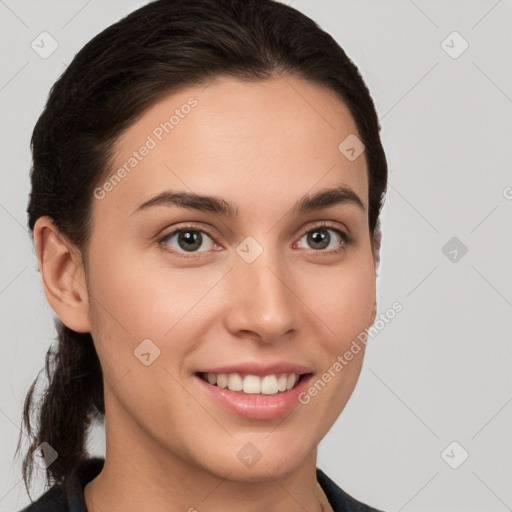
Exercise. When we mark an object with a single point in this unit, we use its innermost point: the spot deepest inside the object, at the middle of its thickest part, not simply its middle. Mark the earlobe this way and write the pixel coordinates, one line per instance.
(376, 243)
(62, 273)
(374, 313)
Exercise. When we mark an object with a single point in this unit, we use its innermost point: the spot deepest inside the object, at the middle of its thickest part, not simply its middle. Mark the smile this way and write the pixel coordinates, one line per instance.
(263, 397)
(253, 384)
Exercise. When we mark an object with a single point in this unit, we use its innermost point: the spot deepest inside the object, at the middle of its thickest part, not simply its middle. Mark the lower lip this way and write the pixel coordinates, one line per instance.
(256, 406)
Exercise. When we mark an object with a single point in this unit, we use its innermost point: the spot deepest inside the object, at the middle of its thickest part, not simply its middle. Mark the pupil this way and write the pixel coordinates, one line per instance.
(318, 237)
(192, 240)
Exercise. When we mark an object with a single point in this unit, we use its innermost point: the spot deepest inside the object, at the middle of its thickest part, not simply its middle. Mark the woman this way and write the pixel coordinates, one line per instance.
(206, 187)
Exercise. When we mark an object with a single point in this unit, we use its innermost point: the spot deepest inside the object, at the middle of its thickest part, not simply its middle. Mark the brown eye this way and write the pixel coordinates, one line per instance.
(188, 240)
(324, 238)
(319, 238)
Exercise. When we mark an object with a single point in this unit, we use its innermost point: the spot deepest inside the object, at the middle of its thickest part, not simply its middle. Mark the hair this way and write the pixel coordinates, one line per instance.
(115, 78)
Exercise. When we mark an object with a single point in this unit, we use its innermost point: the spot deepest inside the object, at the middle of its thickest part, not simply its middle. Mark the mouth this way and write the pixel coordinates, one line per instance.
(254, 397)
(248, 384)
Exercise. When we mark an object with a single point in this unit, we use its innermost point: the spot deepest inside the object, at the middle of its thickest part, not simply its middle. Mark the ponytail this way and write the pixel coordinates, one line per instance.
(73, 397)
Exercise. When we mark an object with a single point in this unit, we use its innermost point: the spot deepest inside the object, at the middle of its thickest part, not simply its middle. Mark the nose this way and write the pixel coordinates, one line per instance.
(262, 303)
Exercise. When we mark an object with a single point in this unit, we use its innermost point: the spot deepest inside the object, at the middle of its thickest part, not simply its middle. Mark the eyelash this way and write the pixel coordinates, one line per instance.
(346, 239)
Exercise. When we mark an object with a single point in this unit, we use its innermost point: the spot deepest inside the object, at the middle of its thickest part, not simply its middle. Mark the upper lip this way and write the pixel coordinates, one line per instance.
(260, 369)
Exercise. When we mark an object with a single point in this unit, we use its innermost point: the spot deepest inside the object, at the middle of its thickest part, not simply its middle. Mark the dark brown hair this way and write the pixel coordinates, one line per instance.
(158, 49)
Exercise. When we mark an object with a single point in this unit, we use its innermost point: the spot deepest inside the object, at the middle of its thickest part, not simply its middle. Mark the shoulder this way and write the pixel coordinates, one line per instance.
(338, 498)
(53, 500)
(68, 496)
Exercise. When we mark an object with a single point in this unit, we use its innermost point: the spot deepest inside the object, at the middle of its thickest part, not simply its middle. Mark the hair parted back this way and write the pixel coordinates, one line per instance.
(159, 49)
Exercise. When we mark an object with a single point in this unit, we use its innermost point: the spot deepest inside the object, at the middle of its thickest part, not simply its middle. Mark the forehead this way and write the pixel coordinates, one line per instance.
(252, 143)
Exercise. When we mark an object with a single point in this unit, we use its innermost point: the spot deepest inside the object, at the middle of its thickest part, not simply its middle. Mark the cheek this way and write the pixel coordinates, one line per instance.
(342, 301)
(133, 302)
(138, 299)
(155, 296)
(342, 298)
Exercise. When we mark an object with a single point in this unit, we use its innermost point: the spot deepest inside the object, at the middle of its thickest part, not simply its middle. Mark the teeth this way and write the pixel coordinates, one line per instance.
(281, 382)
(235, 382)
(252, 384)
(269, 385)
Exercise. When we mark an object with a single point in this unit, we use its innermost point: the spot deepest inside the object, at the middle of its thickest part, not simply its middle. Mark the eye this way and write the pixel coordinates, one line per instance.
(188, 239)
(320, 239)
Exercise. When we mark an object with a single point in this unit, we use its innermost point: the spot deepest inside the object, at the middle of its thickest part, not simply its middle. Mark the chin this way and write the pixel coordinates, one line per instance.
(259, 461)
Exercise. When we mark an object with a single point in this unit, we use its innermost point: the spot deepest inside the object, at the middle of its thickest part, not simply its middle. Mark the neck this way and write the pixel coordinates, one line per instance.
(144, 475)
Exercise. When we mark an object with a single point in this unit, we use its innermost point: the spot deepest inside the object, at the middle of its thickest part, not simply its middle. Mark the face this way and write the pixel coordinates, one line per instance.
(262, 287)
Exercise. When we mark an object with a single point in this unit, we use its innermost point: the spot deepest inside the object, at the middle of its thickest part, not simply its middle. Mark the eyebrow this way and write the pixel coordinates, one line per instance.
(191, 201)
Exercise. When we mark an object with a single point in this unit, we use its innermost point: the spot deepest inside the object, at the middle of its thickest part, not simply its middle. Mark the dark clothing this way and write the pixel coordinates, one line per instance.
(69, 496)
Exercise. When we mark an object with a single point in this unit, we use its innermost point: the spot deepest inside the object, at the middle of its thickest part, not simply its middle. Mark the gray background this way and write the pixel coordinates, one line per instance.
(441, 370)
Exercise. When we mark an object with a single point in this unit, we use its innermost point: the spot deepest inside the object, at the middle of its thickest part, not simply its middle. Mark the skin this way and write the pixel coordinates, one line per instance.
(261, 146)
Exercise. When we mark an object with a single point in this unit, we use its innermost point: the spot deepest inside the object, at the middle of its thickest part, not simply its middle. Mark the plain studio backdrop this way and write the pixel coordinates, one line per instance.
(429, 424)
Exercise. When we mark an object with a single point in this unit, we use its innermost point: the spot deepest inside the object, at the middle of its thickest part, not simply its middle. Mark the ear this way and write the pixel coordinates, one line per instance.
(62, 272)
(376, 242)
